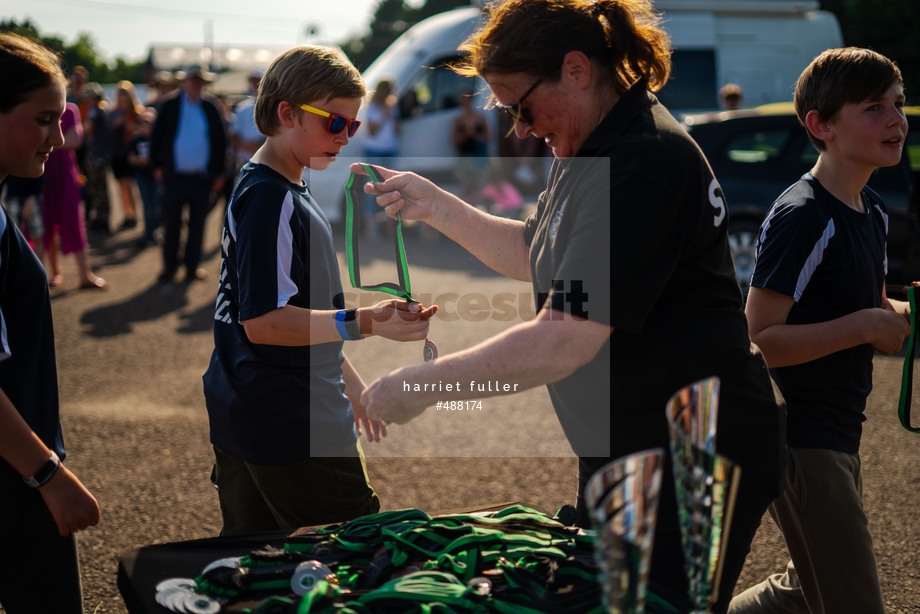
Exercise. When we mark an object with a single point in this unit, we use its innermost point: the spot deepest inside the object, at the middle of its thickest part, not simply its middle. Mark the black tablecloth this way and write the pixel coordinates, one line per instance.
(141, 569)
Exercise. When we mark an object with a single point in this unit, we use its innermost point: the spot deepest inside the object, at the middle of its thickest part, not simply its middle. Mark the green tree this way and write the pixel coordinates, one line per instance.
(82, 52)
(26, 28)
(392, 18)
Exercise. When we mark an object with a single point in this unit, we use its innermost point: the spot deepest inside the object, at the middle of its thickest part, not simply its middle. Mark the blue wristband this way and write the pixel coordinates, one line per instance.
(340, 325)
(346, 322)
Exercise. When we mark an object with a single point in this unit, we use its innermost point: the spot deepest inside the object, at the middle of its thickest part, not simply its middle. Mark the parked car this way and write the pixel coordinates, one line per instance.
(757, 153)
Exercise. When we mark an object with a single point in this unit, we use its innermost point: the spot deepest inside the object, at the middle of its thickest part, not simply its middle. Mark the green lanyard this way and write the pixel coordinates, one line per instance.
(907, 374)
(353, 231)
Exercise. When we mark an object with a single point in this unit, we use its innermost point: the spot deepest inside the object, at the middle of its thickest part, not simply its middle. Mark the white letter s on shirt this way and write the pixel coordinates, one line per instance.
(718, 203)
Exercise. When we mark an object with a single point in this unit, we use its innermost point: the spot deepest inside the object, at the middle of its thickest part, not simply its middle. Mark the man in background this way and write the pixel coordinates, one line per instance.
(188, 147)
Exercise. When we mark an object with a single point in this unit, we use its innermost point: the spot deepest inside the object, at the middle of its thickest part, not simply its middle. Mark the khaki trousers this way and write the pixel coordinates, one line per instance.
(821, 516)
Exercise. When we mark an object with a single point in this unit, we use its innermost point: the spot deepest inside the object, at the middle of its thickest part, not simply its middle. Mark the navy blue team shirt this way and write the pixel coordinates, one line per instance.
(272, 404)
(831, 260)
(28, 370)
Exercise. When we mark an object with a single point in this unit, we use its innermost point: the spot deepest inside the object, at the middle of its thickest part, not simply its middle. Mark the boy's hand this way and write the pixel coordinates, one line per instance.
(375, 429)
(887, 331)
(354, 389)
(405, 193)
(396, 319)
(904, 291)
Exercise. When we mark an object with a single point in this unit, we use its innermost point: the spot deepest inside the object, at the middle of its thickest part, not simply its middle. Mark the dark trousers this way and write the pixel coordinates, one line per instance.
(149, 189)
(96, 191)
(323, 490)
(39, 569)
(179, 191)
(668, 577)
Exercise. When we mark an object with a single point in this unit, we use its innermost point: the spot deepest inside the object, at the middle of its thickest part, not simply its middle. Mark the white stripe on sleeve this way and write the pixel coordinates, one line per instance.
(286, 286)
(885, 220)
(814, 259)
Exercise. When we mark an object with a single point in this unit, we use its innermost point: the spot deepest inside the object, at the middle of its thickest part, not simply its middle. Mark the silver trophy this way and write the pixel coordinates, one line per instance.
(622, 498)
(706, 485)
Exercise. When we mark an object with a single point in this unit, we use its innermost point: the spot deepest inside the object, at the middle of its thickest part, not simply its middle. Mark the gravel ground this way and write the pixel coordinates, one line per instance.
(130, 361)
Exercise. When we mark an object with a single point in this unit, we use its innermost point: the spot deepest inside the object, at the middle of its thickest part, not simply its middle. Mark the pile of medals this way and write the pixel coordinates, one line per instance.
(515, 560)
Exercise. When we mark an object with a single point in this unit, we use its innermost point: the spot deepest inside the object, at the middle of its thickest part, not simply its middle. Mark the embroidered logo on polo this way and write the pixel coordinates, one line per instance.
(557, 219)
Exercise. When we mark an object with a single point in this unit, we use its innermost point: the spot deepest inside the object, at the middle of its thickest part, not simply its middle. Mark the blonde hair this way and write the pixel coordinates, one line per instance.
(128, 88)
(301, 75)
(622, 37)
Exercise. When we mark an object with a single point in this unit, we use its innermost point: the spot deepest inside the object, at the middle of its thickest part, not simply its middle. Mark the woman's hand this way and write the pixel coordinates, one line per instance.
(386, 401)
(410, 195)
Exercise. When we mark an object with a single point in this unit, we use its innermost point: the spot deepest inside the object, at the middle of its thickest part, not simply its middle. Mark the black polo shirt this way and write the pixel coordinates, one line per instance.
(641, 193)
(569, 239)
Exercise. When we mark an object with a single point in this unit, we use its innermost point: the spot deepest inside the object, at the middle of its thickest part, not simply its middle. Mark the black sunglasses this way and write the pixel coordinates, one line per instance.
(336, 123)
(519, 115)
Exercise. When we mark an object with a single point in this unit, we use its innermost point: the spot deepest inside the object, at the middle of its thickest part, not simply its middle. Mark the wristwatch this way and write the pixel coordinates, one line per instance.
(45, 472)
(346, 322)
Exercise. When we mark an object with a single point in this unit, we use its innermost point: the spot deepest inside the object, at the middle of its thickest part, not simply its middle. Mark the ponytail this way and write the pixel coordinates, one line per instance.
(623, 38)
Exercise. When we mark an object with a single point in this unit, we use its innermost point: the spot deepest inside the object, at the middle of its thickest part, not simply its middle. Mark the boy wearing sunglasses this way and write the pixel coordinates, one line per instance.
(283, 401)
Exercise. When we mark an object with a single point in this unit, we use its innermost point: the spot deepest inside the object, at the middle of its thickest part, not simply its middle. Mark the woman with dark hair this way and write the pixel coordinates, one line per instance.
(628, 255)
(43, 502)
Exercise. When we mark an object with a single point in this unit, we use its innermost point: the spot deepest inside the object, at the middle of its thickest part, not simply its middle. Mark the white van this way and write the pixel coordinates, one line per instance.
(761, 45)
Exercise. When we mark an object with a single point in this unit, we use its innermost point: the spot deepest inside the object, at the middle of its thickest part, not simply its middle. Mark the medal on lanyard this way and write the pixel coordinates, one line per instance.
(402, 289)
(907, 373)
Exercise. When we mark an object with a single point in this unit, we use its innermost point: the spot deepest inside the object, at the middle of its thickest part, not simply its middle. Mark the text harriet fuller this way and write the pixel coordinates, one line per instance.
(487, 386)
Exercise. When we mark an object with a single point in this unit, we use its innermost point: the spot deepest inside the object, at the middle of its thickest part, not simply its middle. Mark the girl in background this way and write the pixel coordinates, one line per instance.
(124, 121)
(43, 502)
(65, 229)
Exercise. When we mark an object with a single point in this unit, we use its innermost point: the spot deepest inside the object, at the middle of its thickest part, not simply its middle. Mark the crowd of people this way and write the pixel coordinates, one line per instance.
(286, 406)
(121, 151)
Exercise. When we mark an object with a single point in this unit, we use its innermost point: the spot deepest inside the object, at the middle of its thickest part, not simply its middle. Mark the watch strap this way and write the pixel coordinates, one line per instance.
(45, 472)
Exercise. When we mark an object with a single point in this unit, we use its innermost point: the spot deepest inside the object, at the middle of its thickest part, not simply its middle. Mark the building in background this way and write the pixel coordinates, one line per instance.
(232, 63)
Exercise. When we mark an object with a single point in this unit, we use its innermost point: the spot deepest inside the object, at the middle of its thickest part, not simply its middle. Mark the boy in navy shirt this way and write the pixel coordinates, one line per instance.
(818, 310)
(283, 401)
